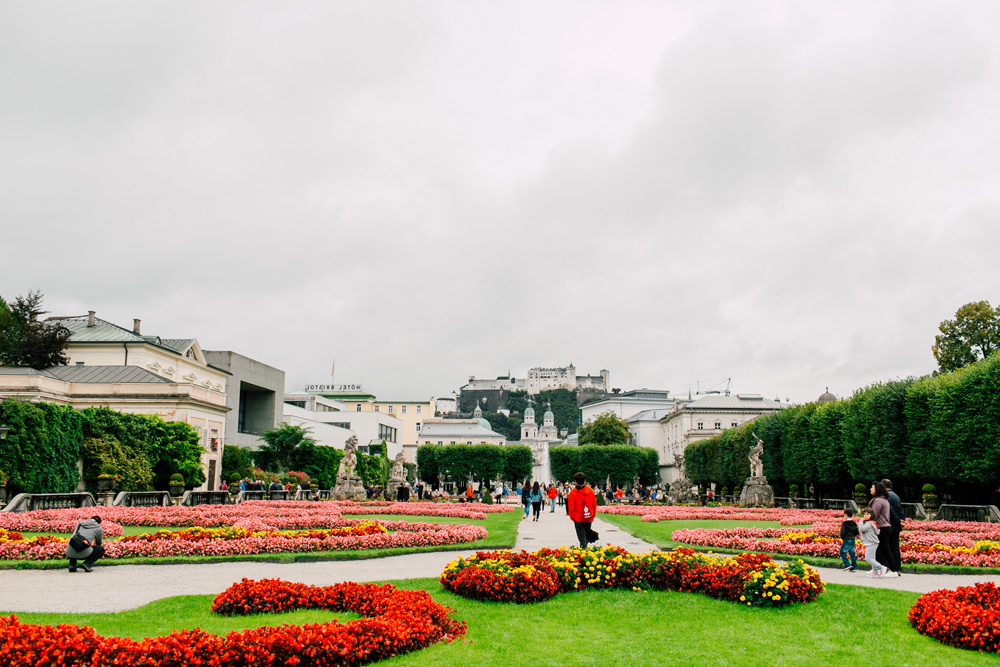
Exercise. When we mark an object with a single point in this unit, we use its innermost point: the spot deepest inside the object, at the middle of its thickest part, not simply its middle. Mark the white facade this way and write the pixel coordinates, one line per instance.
(330, 420)
(669, 431)
(544, 379)
(629, 403)
(459, 432)
(443, 406)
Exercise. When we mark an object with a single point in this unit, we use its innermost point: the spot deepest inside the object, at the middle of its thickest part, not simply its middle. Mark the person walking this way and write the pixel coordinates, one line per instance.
(536, 500)
(870, 538)
(526, 499)
(582, 506)
(896, 517)
(880, 513)
(85, 543)
(553, 494)
(848, 532)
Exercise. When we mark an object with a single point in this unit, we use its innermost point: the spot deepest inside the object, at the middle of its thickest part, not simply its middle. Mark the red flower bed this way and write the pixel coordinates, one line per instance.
(397, 622)
(967, 617)
(523, 577)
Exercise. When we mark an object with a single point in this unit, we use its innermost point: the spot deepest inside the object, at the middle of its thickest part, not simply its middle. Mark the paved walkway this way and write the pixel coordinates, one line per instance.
(115, 588)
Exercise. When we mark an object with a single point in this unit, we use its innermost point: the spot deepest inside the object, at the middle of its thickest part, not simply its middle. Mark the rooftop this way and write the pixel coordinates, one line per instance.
(456, 429)
(91, 374)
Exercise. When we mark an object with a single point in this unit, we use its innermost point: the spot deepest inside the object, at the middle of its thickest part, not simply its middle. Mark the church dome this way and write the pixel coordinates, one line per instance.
(826, 397)
(529, 411)
(548, 416)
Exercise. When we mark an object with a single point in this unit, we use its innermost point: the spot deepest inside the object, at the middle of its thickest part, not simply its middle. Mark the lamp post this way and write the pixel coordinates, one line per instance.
(4, 431)
(3, 488)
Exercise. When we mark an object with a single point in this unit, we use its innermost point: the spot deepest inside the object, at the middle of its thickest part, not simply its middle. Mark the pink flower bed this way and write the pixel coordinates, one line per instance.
(677, 513)
(282, 515)
(767, 540)
(406, 534)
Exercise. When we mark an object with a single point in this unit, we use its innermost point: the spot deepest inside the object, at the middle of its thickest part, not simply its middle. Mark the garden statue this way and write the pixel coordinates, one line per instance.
(756, 465)
(397, 477)
(680, 488)
(349, 486)
(756, 492)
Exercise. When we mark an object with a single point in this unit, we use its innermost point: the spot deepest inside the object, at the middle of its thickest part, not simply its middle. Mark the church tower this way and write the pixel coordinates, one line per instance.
(529, 429)
(548, 422)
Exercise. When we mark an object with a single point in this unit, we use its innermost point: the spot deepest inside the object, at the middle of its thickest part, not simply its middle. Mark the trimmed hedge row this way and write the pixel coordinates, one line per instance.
(944, 429)
(621, 462)
(45, 442)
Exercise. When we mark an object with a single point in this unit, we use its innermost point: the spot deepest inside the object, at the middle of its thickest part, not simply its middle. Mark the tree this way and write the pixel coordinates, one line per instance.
(277, 454)
(605, 429)
(974, 334)
(24, 341)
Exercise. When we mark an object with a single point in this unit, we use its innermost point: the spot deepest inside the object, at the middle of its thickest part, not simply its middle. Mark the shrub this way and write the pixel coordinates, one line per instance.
(793, 489)
(234, 478)
(725, 491)
(860, 489)
(601, 502)
(176, 479)
(929, 489)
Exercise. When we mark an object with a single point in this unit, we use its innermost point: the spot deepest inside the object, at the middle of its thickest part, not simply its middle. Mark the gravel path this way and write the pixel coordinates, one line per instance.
(120, 587)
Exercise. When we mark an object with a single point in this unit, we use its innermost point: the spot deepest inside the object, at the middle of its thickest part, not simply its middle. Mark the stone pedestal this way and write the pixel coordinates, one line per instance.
(349, 488)
(106, 498)
(756, 493)
(393, 486)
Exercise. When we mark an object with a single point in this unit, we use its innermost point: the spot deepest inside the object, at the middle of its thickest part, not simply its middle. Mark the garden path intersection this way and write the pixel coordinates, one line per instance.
(116, 588)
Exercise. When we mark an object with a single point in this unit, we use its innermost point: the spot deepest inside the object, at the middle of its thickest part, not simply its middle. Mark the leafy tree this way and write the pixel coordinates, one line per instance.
(24, 341)
(427, 463)
(974, 334)
(509, 427)
(605, 429)
(621, 462)
(237, 460)
(518, 462)
(277, 454)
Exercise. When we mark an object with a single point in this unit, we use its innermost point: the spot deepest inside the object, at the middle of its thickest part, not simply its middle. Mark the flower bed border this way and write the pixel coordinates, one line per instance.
(526, 577)
(966, 617)
(397, 621)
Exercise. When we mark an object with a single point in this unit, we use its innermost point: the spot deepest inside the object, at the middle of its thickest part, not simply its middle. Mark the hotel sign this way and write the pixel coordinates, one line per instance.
(333, 387)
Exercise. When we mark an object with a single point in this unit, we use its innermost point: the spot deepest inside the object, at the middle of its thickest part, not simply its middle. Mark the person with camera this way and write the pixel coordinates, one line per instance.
(85, 544)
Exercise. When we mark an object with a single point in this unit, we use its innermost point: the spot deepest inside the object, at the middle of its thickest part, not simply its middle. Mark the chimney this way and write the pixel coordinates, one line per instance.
(135, 326)
(90, 318)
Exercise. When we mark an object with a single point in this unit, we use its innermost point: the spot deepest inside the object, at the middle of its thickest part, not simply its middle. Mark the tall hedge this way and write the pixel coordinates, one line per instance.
(621, 462)
(943, 430)
(46, 441)
(483, 462)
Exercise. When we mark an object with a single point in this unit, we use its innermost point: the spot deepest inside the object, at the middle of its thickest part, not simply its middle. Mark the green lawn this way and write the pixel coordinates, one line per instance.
(502, 528)
(659, 533)
(846, 626)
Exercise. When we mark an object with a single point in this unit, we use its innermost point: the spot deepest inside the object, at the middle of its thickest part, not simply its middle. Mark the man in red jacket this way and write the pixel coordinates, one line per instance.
(582, 505)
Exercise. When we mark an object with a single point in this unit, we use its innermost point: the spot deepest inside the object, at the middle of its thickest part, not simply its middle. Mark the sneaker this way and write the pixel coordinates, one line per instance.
(853, 569)
(847, 568)
(890, 574)
(72, 569)
(87, 568)
(874, 575)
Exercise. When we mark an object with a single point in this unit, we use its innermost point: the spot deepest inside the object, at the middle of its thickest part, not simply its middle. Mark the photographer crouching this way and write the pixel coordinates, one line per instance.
(85, 543)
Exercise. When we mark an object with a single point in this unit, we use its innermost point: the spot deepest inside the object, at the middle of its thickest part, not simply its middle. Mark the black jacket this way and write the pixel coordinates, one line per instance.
(896, 507)
(849, 530)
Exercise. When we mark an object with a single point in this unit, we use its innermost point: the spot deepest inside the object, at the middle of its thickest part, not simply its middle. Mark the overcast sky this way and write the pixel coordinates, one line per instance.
(791, 195)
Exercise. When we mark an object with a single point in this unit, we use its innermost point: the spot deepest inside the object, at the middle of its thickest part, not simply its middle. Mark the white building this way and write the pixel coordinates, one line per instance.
(539, 439)
(332, 423)
(669, 431)
(626, 404)
(544, 379)
(443, 406)
(459, 432)
(122, 369)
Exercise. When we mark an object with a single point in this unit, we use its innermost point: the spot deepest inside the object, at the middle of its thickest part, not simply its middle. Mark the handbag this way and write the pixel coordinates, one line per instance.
(78, 543)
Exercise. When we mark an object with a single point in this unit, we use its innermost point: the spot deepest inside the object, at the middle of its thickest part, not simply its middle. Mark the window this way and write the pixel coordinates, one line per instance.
(390, 409)
(718, 425)
(440, 443)
(418, 427)
(386, 433)
(418, 409)
(700, 425)
(402, 409)
(357, 408)
(469, 442)
(298, 404)
(453, 442)
(376, 408)
(735, 424)
(346, 425)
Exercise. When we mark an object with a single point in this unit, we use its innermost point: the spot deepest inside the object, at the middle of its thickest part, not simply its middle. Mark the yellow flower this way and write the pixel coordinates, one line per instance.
(743, 598)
